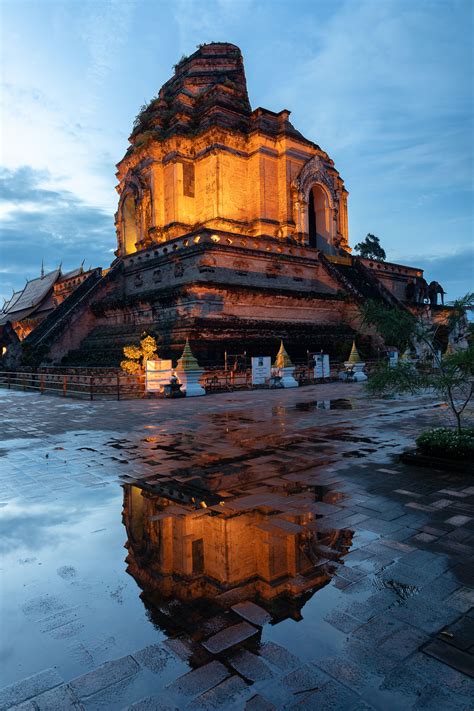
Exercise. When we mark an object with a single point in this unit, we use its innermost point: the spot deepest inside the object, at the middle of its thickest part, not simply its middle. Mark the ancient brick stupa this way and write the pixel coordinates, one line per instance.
(232, 231)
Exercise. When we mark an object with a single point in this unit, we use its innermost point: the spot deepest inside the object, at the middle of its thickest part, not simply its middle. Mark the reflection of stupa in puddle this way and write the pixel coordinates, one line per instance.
(195, 564)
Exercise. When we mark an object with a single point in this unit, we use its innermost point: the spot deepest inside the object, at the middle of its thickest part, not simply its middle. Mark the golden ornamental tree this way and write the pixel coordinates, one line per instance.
(137, 356)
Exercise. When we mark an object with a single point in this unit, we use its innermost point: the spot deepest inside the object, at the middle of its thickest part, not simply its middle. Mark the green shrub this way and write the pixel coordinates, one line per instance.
(448, 443)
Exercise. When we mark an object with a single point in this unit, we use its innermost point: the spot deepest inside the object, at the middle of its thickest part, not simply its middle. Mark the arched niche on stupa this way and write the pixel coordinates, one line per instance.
(134, 215)
(316, 205)
(320, 217)
(129, 224)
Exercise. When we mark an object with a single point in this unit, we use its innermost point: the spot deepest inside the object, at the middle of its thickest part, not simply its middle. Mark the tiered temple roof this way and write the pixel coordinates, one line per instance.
(36, 296)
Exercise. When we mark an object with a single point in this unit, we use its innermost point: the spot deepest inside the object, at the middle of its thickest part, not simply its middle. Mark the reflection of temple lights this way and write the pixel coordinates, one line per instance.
(4, 350)
(172, 556)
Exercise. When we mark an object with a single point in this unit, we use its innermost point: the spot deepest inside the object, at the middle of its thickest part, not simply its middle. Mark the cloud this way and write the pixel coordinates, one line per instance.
(44, 223)
(61, 139)
(384, 87)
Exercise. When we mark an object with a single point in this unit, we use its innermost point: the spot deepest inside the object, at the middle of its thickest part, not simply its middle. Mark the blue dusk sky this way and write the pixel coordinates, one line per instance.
(384, 86)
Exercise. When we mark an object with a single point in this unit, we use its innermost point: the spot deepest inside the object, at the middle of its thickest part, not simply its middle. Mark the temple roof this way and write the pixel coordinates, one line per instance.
(23, 303)
(73, 273)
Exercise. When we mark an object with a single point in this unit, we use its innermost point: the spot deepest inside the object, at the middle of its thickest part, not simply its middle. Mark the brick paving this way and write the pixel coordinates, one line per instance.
(363, 594)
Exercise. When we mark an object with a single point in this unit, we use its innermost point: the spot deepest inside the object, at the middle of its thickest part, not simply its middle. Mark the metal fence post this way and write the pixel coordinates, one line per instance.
(64, 385)
(91, 387)
(118, 386)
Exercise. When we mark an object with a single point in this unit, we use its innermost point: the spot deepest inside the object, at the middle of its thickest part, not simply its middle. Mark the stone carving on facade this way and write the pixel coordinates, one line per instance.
(207, 264)
(178, 269)
(157, 276)
(241, 265)
(136, 186)
(339, 240)
(273, 270)
(145, 207)
(434, 290)
(157, 234)
(313, 172)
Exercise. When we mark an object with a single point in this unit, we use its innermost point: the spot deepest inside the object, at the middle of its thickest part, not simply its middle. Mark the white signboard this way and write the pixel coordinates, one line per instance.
(158, 373)
(261, 370)
(392, 358)
(321, 367)
(326, 368)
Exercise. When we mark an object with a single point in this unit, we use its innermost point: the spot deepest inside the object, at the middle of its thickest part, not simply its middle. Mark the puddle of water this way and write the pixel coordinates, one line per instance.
(402, 591)
(205, 519)
(346, 437)
(242, 550)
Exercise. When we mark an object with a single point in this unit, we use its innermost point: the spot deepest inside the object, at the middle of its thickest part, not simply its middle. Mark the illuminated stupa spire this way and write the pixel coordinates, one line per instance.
(354, 356)
(282, 359)
(187, 360)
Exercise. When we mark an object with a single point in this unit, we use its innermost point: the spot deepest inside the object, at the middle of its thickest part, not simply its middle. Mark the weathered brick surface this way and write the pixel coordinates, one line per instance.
(222, 695)
(252, 613)
(229, 637)
(28, 688)
(61, 697)
(198, 681)
(250, 665)
(104, 676)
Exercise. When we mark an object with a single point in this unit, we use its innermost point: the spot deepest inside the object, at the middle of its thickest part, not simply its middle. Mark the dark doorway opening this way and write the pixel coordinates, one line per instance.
(198, 556)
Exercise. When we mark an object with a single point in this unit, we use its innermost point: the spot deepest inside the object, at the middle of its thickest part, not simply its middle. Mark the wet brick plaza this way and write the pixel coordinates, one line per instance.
(254, 550)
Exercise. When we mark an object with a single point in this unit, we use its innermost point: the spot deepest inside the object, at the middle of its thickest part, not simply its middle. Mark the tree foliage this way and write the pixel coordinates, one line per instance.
(137, 356)
(370, 248)
(451, 377)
